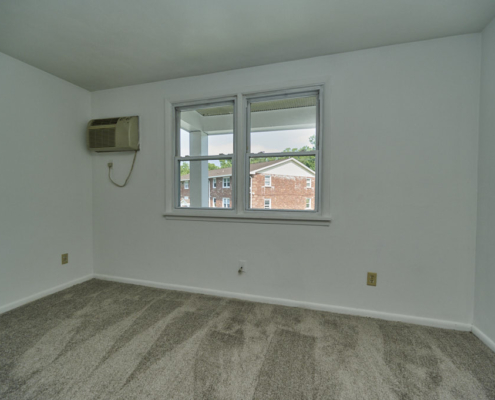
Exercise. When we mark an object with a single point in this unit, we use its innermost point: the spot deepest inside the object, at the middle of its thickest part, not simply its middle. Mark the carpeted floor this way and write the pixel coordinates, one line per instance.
(105, 340)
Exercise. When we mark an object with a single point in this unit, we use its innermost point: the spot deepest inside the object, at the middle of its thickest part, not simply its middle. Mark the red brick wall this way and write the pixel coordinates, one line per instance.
(220, 192)
(286, 192)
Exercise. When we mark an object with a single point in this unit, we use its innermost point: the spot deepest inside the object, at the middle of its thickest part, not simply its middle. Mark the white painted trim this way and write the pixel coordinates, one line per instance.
(484, 338)
(437, 323)
(44, 293)
(254, 217)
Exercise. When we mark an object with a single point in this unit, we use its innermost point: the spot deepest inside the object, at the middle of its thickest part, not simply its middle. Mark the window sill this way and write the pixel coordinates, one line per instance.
(258, 219)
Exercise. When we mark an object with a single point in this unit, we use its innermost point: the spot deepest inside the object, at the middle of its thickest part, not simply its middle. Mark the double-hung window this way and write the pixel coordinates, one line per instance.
(277, 137)
(268, 181)
(283, 142)
(204, 142)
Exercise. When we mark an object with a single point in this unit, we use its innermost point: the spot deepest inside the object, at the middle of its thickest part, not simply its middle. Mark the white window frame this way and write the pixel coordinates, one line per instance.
(308, 205)
(214, 183)
(308, 183)
(186, 184)
(239, 211)
(316, 153)
(187, 106)
(269, 204)
(214, 202)
(228, 202)
(226, 179)
(269, 180)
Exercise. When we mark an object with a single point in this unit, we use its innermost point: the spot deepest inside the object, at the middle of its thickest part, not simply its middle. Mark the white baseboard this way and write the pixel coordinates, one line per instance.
(437, 323)
(485, 339)
(44, 293)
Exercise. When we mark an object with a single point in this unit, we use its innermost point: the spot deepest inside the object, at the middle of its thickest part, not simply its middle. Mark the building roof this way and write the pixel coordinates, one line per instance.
(213, 173)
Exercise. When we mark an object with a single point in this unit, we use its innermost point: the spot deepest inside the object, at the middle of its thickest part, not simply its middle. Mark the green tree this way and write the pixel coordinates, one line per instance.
(308, 161)
(184, 168)
(225, 163)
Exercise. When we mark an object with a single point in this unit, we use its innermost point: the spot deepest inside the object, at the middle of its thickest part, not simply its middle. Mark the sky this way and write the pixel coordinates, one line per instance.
(269, 142)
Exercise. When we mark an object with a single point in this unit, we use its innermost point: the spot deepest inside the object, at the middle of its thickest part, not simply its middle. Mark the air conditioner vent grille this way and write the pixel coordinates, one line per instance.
(107, 121)
(101, 138)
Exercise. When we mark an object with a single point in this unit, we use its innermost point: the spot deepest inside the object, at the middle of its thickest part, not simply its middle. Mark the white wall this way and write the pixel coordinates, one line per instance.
(45, 182)
(484, 318)
(401, 142)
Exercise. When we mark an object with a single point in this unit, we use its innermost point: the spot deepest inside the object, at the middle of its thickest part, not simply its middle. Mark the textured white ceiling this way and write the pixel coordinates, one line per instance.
(100, 44)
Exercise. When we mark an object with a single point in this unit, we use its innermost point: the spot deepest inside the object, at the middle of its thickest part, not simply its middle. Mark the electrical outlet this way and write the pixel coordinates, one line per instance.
(371, 279)
(242, 266)
(110, 164)
(65, 258)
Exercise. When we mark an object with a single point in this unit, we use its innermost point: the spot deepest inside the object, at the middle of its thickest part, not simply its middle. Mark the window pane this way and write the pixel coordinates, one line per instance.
(283, 125)
(207, 131)
(196, 183)
(288, 188)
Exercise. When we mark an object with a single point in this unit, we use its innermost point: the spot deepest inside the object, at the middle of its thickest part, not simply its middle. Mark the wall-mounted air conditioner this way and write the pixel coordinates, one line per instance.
(113, 134)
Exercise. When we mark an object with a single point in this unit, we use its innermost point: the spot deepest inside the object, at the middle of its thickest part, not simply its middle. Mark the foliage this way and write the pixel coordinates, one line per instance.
(184, 168)
(225, 163)
(308, 161)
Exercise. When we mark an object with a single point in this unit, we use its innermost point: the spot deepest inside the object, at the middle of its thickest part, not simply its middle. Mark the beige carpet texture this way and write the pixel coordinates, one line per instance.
(106, 340)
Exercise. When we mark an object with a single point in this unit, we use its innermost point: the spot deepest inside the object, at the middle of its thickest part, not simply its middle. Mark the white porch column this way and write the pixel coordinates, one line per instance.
(198, 185)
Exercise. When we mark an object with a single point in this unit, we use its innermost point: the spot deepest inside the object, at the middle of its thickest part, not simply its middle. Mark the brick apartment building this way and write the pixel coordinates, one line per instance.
(280, 184)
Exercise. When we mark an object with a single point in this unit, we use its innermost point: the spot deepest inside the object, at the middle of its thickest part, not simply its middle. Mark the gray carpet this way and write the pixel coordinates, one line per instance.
(105, 340)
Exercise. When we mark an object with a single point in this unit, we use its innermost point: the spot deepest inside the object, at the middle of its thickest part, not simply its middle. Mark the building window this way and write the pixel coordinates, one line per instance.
(291, 153)
(281, 137)
(268, 180)
(198, 151)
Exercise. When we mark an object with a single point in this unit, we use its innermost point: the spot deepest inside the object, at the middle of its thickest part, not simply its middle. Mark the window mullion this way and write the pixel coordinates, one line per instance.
(240, 151)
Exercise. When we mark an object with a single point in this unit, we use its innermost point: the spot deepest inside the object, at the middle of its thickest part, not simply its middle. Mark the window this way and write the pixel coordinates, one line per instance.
(268, 180)
(204, 142)
(280, 136)
(283, 140)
